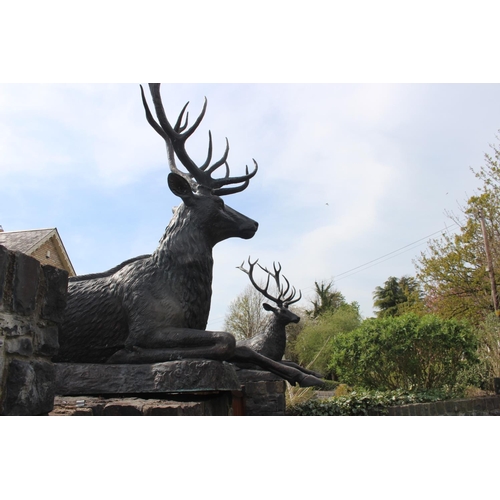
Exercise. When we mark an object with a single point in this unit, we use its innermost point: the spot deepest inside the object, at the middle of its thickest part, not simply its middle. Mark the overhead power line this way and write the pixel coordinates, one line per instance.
(389, 255)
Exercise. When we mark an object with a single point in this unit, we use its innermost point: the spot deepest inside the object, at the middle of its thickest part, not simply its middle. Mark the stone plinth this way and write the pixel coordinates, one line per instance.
(183, 376)
(263, 393)
(190, 387)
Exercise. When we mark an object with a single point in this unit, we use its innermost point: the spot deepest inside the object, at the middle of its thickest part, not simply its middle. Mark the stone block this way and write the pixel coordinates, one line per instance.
(26, 281)
(411, 410)
(451, 407)
(54, 300)
(82, 412)
(439, 408)
(277, 386)
(47, 341)
(168, 409)
(425, 409)
(19, 345)
(256, 388)
(15, 326)
(491, 403)
(123, 409)
(29, 388)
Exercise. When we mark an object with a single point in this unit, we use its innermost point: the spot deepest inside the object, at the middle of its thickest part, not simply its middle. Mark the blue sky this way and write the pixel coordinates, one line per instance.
(348, 173)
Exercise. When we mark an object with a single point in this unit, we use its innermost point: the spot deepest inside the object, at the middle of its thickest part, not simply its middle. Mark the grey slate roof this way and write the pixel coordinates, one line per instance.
(30, 240)
(25, 241)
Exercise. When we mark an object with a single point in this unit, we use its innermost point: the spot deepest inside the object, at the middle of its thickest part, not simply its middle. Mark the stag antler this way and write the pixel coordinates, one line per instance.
(282, 300)
(175, 138)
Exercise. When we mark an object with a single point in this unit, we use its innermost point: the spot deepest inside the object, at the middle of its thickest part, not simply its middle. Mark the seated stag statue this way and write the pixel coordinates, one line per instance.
(154, 308)
(271, 342)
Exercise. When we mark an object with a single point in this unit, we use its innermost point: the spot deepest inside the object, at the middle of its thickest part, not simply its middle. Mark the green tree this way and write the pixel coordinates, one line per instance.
(327, 299)
(397, 296)
(405, 352)
(246, 316)
(313, 346)
(454, 270)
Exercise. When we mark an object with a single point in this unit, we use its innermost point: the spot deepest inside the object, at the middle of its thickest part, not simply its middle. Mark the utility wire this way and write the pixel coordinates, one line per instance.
(374, 262)
(387, 255)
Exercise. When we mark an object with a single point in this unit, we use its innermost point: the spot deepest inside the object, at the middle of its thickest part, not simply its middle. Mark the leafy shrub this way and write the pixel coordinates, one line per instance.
(363, 402)
(488, 335)
(405, 352)
(313, 344)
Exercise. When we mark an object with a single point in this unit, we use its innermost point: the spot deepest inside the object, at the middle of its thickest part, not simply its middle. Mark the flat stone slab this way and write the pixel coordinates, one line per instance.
(182, 376)
(97, 406)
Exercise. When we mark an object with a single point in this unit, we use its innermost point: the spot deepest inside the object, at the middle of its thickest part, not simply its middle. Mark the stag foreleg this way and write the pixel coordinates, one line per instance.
(176, 343)
(301, 368)
(294, 376)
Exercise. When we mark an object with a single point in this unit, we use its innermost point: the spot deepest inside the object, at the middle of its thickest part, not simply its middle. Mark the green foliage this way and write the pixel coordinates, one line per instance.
(397, 296)
(364, 402)
(246, 317)
(405, 352)
(453, 270)
(293, 331)
(313, 347)
(327, 299)
(488, 335)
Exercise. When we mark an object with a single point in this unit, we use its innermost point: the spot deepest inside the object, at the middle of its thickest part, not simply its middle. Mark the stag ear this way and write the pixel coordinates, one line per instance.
(268, 307)
(180, 187)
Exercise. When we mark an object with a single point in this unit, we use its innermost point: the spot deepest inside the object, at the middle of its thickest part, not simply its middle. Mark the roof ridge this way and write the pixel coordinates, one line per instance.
(29, 230)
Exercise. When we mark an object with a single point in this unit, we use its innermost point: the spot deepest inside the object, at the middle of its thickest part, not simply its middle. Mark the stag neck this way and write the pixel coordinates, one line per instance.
(180, 242)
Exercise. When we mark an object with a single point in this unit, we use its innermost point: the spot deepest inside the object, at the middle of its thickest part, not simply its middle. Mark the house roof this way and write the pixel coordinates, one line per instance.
(30, 240)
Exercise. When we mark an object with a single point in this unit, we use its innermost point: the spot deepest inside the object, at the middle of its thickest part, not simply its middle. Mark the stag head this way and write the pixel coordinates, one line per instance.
(285, 298)
(200, 192)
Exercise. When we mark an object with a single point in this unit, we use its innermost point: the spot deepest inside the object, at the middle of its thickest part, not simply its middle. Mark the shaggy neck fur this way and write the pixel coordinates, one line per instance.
(185, 258)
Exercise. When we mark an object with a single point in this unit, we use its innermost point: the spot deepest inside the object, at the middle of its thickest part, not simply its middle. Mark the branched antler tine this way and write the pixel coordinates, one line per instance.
(234, 180)
(284, 292)
(209, 154)
(263, 291)
(290, 301)
(197, 122)
(163, 133)
(176, 138)
(241, 268)
(160, 112)
(222, 161)
(223, 191)
(276, 277)
(150, 118)
(179, 126)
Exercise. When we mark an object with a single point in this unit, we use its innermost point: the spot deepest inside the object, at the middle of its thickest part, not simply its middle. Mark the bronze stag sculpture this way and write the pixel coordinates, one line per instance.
(271, 342)
(155, 308)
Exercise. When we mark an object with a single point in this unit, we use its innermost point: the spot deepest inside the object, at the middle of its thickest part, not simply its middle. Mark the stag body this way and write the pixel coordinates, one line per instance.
(271, 342)
(158, 302)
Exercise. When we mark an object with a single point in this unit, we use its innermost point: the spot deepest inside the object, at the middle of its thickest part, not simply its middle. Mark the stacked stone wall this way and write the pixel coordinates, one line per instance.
(32, 301)
(263, 393)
